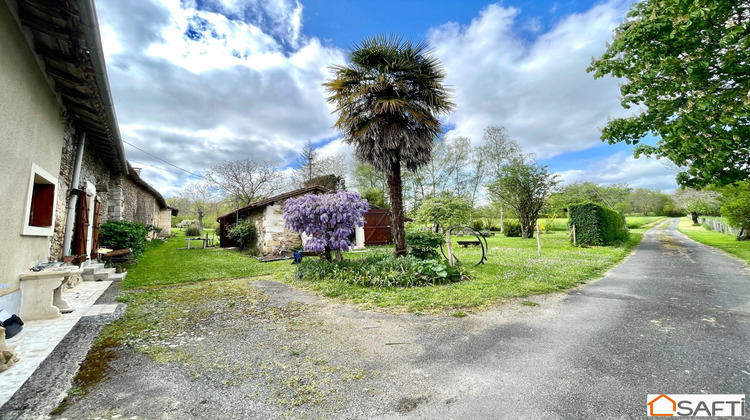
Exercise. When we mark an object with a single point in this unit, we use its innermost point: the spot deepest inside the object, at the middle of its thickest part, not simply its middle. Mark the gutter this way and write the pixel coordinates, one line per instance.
(90, 25)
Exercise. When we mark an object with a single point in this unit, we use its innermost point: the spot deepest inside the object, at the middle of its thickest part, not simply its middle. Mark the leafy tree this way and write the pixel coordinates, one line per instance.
(698, 202)
(329, 219)
(497, 150)
(388, 98)
(244, 180)
(589, 192)
(376, 197)
(737, 208)
(647, 201)
(330, 181)
(686, 66)
(525, 186)
(444, 211)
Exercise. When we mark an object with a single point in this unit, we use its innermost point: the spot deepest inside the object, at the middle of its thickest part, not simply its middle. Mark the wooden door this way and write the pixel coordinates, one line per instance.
(96, 226)
(82, 226)
(377, 228)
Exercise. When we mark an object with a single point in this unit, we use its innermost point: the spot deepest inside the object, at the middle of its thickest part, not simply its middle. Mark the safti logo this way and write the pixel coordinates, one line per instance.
(698, 405)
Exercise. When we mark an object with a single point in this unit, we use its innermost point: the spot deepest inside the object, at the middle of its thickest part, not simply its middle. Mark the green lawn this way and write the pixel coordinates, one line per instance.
(163, 264)
(728, 243)
(513, 270)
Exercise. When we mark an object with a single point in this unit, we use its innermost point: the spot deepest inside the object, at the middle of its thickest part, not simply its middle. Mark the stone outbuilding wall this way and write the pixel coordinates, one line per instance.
(130, 201)
(273, 237)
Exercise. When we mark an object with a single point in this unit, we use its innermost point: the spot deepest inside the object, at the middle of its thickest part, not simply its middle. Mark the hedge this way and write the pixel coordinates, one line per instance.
(597, 225)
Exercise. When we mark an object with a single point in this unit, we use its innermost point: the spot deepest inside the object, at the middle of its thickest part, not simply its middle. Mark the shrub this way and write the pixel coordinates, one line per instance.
(424, 244)
(597, 225)
(381, 270)
(193, 230)
(477, 224)
(512, 229)
(244, 233)
(120, 234)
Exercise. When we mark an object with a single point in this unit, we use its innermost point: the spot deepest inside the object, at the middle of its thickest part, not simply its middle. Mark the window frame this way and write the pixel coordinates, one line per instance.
(28, 229)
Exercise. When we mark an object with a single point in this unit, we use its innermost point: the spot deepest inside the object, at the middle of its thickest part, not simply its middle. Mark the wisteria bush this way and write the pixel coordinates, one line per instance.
(382, 270)
(329, 219)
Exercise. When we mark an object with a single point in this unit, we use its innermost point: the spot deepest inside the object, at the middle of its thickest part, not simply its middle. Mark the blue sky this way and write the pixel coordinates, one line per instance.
(199, 82)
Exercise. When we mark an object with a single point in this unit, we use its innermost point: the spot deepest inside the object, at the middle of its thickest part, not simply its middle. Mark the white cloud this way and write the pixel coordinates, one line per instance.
(198, 87)
(622, 167)
(539, 90)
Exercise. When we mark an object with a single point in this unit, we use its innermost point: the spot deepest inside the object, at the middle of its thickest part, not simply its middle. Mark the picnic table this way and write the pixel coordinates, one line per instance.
(206, 241)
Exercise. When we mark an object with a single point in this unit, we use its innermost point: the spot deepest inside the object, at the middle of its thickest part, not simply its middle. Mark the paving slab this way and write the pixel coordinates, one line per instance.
(39, 338)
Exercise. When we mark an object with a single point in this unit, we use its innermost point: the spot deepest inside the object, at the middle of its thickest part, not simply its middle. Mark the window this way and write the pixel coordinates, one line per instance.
(40, 205)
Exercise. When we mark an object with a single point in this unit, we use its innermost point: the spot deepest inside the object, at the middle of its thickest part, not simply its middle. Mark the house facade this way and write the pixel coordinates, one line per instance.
(63, 160)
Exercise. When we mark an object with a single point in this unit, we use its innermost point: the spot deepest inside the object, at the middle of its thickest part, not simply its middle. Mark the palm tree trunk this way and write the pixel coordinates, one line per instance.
(395, 189)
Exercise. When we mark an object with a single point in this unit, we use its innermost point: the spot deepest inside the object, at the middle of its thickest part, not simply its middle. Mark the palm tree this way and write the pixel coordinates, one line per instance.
(388, 98)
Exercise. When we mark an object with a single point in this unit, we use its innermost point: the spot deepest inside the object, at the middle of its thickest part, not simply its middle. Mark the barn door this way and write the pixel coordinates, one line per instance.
(96, 226)
(82, 226)
(377, 228)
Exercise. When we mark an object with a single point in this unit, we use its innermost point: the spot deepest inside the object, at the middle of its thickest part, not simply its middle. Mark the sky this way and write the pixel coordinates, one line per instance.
(200, 82)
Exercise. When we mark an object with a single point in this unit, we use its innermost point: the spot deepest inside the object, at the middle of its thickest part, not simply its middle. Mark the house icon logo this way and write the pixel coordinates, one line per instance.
(662, 406)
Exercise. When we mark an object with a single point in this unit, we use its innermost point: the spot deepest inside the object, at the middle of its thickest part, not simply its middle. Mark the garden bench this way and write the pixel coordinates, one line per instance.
(121, 257)
(466, 244)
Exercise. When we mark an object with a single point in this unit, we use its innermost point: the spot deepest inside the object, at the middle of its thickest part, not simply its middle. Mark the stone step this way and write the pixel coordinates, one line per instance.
(103, 274)
(117, 276)
(89, 270)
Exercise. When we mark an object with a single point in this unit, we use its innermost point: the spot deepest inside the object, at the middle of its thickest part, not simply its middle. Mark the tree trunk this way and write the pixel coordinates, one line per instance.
(200, 220)
(395, 188)
(694, 215)
(327, 254)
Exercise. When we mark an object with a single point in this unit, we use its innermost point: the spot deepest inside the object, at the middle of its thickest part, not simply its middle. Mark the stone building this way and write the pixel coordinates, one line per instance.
(63, 160)
(269, 221)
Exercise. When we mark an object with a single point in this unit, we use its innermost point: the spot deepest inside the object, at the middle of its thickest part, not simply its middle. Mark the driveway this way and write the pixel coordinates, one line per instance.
(673, 318)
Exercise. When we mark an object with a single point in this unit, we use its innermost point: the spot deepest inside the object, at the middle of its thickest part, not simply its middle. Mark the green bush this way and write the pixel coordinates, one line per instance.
(244, 233)
(512, 229)
(597, 225)
(381, 270)
(193, 230)
(424, 244)
(120, 234)
(477, 224)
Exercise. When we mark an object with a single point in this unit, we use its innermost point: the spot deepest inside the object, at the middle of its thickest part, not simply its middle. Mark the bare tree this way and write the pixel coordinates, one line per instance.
(243, 180)
(310, 165)
(497, 151)
(200, 196)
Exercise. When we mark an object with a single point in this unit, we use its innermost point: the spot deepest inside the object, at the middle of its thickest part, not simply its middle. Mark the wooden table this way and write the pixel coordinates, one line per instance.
(204, 240)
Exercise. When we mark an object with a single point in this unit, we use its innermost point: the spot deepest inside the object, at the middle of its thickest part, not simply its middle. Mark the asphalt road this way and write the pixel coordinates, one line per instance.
(673, 318)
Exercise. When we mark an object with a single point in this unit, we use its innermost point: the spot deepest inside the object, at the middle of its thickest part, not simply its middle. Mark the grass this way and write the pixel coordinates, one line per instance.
(728, 243)
(513, 270)
(165, 263)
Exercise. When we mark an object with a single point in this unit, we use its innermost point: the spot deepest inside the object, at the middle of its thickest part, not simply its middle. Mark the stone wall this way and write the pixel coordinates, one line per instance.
(129, 201)
(67, 164)
(93, 170)
(272, 235)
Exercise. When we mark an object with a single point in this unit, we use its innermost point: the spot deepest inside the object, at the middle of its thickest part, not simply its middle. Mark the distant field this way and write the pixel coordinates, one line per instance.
(560, 223)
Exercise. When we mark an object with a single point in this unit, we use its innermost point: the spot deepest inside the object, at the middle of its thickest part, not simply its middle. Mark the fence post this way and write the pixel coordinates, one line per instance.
(574, 236)
(538, 240)
(449, 246)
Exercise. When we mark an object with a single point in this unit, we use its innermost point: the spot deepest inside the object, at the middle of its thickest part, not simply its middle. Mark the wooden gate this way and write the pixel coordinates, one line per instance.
(96, 226)
(377, 227)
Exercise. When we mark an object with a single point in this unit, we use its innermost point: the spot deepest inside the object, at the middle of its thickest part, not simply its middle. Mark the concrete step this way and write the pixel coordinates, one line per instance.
(89, 270)
(103, 274)
(117, 276)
